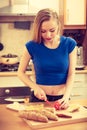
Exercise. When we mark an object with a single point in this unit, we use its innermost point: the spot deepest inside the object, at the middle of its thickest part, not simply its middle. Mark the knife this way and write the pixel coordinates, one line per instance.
(49, 103)
(85, 107)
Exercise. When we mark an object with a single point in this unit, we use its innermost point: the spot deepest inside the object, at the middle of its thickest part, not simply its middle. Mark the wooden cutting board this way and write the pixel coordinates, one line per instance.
(79, 116)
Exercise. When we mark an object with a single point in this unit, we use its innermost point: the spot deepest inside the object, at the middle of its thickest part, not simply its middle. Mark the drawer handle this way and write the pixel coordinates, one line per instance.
(75, 94)
(78, 81)
(7, 91)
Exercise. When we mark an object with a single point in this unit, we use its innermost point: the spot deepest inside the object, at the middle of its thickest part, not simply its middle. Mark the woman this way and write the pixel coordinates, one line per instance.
(54, 61)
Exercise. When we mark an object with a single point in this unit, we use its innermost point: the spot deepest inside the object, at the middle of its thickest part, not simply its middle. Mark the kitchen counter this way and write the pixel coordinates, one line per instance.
(14, 73)
(9, 120)
(82, 71)
(32, 73)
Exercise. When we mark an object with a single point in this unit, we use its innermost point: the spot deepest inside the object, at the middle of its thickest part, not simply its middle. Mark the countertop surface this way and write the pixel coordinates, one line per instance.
(9, 120)
(14, 73)
(84, 71)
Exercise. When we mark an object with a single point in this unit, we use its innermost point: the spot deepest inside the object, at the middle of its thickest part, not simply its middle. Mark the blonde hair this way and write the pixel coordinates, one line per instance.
(43, 15)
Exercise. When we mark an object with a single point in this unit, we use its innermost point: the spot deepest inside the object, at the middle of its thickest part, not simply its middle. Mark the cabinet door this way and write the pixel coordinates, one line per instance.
(38, 5)
(74, 12)
(86, 78)
(79, 93)
(79, 90)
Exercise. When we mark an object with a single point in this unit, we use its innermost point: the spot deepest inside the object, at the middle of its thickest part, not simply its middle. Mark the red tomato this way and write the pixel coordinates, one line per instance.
(56, 105)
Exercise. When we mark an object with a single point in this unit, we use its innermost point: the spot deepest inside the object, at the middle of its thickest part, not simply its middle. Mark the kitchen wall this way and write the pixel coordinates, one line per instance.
(13, 39)
(4, 3)
(45, 4)
(12, 2)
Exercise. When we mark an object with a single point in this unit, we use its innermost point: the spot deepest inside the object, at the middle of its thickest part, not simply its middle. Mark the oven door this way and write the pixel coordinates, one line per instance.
(11, 94)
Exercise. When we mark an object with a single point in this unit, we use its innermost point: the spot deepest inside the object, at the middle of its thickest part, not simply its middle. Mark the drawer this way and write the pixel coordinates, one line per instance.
(79, 92)
(14, 91)
(79, 85)
(79, 77)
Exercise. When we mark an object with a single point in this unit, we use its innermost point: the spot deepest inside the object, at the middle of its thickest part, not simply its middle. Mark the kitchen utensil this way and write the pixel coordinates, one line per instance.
(1, 46)
(15, 106)
(49, 103)
(85, 107)
(79, 116)
(79, 62)
(9, 59)
(14, 99)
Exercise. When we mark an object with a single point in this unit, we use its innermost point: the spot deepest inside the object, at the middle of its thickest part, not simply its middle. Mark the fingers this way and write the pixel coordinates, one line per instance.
(64, 106)
(64, 103)
(41, 95)
(43, 98)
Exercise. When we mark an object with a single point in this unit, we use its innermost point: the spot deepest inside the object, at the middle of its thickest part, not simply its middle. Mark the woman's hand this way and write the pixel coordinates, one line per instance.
(64, 103)
(61, 104)
(40, 94)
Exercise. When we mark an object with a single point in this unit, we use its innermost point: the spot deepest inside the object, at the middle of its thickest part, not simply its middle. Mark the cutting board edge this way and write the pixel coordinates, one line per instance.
(46, 125)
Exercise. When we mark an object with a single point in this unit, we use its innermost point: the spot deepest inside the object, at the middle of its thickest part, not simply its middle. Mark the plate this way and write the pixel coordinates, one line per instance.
(14, 99)
(16, 106)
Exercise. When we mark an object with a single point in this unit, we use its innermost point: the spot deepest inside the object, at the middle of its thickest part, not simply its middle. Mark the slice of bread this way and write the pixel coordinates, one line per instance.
(73, 108)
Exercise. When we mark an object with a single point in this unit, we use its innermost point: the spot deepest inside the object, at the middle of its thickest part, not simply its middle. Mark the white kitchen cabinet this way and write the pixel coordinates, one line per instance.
(13, 2)
(80, 87)
(4, 3)
(38, 4)
(74, 12)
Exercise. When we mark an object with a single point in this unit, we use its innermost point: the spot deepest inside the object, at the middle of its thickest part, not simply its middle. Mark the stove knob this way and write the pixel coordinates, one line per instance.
(7, 91)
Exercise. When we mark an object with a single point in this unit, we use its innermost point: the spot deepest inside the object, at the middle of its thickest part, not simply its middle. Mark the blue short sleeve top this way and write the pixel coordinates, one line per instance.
(51, 65)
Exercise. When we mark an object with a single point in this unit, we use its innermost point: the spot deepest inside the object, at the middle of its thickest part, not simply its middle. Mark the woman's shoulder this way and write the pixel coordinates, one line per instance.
(31, 46)
(68, 43)
(31, 42)
(68, 40)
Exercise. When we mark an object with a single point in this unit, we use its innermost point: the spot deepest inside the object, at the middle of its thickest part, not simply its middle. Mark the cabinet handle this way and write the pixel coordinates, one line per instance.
(72, 95)
(7, 91)
(78, 81)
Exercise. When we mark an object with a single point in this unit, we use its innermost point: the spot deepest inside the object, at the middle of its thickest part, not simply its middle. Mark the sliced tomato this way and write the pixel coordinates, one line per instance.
(56, 105)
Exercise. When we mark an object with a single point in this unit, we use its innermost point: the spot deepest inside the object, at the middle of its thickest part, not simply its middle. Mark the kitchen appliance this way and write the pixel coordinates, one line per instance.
(13, 93)
(9, 59)
(1, 46)
(12, 67)
(78, 35)
(79, 59)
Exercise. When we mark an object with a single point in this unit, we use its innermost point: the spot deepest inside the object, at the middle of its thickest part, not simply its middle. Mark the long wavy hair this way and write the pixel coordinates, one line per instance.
(43, 15)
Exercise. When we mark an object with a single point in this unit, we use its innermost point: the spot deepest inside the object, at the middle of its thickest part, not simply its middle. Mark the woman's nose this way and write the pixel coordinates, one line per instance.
(48, 34)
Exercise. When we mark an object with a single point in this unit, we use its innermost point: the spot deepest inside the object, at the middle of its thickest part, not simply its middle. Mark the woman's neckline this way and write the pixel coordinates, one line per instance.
(53, 48)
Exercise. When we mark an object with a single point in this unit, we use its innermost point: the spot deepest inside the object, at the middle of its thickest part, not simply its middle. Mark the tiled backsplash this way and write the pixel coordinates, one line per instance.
(13, 39)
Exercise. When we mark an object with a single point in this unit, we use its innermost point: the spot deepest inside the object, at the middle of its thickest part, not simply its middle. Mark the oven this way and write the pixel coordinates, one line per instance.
(12, 94)
(12, 67)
